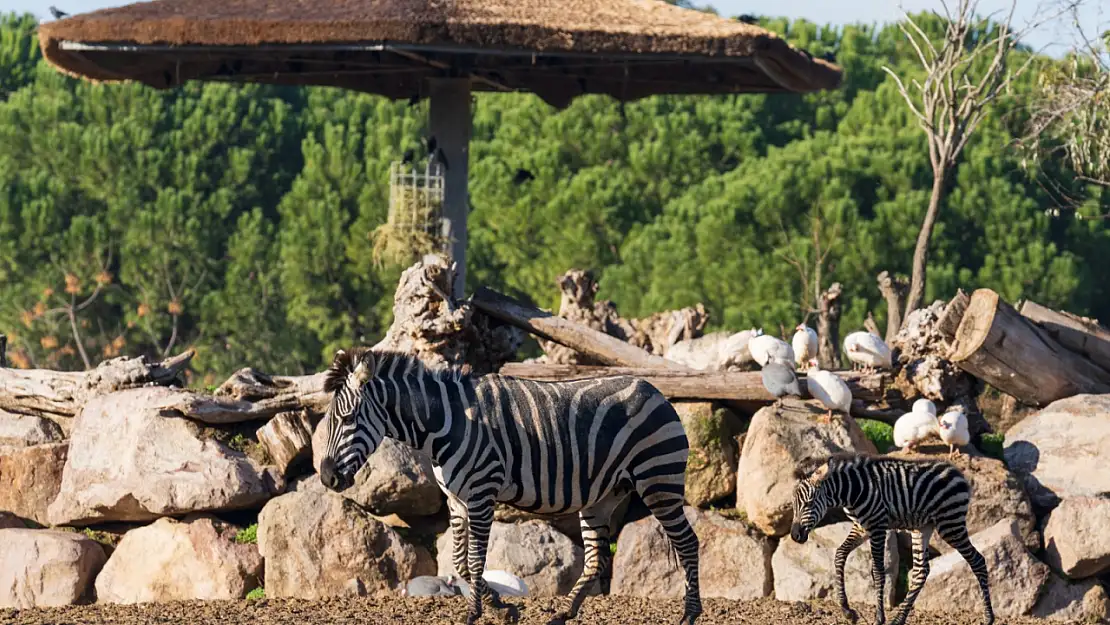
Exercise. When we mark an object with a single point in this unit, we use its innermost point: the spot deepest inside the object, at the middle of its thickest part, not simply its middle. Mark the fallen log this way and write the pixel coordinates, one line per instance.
(1084, 336)
(996, 344)
(62, 393)
(598, 345)
(744, 386)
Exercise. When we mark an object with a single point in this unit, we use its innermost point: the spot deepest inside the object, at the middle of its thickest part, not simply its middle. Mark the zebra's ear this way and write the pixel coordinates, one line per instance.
(364, 368)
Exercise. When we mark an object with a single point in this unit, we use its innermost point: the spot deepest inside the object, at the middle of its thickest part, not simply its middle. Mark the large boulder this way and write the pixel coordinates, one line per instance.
(132, 459)
(170, 560)
(318, 544)
(18, 431)
(1016, 577)
(996, 493)
(778, 440)
(287, 439)
(46, 567)
(1077, 537)
(547, 561)
(734, 559)
(711, 468)
(568, 524)
(1061, 451)
(804, 572)
(1085, 601)
(30, 479)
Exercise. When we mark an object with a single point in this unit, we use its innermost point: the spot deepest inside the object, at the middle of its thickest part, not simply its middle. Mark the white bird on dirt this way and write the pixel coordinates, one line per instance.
(867, 350)
(829, 389)
(765, 348)
(915, 426)
(804, 344)
(953, 429)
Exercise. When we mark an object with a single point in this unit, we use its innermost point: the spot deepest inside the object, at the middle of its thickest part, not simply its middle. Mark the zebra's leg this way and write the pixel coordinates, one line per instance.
(854, 539)
(955, 534)
(664, 496)
(918, 574)
(595, 539)
(480, 514)
(878, 572)
(460, 528)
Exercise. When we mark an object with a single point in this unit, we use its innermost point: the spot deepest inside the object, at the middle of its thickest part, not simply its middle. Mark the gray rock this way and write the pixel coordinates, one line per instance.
(547, 561)
(1077, 537)
(1074, 602)
(711, 467)
(46, 567)
(804, 572)
(18, 431)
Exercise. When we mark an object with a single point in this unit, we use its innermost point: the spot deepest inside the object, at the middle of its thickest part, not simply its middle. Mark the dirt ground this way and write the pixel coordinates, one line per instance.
(399, 611)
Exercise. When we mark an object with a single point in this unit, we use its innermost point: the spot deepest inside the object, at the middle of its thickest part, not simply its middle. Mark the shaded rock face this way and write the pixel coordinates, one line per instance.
(170, 560)
(569, 524)
(317, 544)
(1016, 577)
(46, 567)
(547, 561)
(711, 467)
(734, 559)
(287, 439)
(30, 480)
(806, 571)
(18, 431)
(996, 493)
(131, 461)
(1061, 451)
(779, 439)
(1077, 537)
(1085, 601)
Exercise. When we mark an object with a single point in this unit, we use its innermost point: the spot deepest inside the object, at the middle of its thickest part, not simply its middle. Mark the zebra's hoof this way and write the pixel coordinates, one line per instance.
(689, 618)
(850, 615)
(559, 619)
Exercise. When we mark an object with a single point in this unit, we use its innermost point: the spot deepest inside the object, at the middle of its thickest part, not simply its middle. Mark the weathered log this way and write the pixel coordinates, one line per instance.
(62, 393)
(598, 345)
(893, 291)
(745, 386)
(1080, 335)
(996, 344)
(952, 315)
(828, 328)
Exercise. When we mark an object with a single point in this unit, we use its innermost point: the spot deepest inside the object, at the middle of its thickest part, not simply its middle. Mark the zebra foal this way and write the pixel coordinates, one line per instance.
(544, 447)
(881, 494)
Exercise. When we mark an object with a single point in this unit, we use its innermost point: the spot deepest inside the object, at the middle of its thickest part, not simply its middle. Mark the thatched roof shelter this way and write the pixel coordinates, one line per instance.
(557, 49)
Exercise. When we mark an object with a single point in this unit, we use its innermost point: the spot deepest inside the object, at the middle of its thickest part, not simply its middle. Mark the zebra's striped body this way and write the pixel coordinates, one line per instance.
(881, 494)
(547, 448)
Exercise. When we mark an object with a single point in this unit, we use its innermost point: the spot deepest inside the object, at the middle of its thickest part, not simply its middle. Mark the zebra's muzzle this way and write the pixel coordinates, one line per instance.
(332, 478)
(799, 534)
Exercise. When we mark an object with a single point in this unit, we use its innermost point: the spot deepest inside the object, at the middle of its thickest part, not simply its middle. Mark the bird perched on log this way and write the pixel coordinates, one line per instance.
(804, 344)
(829, 389)
(522, 176)
(915, 426)
(867, 351)
(780, 381)
(56, 13)
(953, 429)
(765, 348)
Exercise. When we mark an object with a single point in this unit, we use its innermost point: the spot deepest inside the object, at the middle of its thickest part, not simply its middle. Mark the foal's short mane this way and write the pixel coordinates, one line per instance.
(345, 362)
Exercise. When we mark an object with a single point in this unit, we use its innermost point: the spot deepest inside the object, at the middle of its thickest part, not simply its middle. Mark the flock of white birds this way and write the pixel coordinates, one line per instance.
(866, 352)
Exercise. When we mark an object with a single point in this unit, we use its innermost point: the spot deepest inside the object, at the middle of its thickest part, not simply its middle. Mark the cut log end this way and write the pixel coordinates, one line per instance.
(975, 326)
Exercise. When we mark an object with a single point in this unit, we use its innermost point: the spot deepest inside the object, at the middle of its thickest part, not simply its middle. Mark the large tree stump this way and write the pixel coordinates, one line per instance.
(828, 328)
(996, 344)
(894, 292)
(1081, 335)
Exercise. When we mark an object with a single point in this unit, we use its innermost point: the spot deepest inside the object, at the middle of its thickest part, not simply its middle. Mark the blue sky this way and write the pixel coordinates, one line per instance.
(1053, 35)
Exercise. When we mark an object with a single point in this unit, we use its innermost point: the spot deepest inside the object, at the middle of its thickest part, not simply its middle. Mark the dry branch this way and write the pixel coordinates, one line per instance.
(62, 393)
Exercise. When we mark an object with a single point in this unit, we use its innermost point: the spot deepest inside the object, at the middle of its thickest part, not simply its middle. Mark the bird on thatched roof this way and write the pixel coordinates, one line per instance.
(56, 13)
(780, 381)
(829, 56)
(522, 176)
(867, 350)
(748, 19)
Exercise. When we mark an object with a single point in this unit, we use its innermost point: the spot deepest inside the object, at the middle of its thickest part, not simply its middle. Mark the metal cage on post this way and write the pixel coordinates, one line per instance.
(416, 225)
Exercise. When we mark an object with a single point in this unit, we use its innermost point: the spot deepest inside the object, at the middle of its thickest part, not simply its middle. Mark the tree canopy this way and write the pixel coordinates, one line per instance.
(236, 219)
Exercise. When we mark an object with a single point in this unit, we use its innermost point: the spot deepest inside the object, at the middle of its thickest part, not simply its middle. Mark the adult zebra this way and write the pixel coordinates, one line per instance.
(880, 494)
(545, 447)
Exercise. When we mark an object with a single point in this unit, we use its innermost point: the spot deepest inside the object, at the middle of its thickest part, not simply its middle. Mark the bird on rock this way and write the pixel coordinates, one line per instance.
(915, 426)
(780, 381)
(953, 430)
(765, 348)
(924, 405)
(804, 344)
(867, 351)
(829, 389)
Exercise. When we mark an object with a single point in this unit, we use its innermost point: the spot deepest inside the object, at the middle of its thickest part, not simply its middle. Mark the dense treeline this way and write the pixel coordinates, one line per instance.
(235, 219)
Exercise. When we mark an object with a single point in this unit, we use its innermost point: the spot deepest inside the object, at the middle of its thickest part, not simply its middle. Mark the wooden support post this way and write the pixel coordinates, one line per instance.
(449, 122)
(1083, 336)
(3, 351)
(998, 345)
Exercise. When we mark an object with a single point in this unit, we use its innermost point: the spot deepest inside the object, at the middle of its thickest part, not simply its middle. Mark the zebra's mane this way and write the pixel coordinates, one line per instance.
(807, 467)
(345, 362)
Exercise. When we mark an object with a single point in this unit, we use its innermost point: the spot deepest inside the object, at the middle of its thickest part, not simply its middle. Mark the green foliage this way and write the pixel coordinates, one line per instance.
(248, 535)
(992, 444)
(879, 433)
(236, 220)
(257, 593)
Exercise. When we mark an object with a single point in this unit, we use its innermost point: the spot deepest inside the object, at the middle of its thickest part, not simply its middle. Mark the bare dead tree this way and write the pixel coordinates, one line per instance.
(828, 328)
(964, 74)
(811, 265)
(72, 306)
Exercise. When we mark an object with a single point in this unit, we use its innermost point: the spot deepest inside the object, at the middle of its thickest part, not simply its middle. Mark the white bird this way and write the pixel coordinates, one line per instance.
(765, 348)
(914, 427)
(867, 350)
(953, 429)
(804, 344)
(829, 389)
(925, 405)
